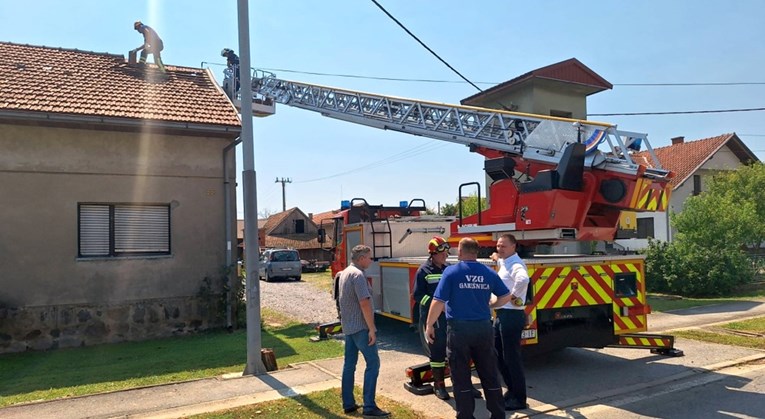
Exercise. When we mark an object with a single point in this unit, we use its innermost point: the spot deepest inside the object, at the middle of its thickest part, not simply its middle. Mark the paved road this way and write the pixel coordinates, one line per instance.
(736, 391)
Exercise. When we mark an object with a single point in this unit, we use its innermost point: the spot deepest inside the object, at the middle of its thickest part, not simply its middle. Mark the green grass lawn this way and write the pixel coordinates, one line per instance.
(727, 334)
(321, 404)
(661, 302)
(664, 303)
(32, 376)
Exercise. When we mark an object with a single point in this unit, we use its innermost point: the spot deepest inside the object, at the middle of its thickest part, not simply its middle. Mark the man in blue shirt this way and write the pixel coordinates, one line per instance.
(465, 290)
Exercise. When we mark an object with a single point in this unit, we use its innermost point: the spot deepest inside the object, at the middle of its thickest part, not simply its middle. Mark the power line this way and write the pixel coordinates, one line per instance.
(733, 83)
(494, 83)
(425, 46)
(677, 112)
(412, 152)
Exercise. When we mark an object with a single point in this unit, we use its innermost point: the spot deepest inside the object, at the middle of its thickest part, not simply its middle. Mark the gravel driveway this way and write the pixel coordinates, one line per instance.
(300, 300)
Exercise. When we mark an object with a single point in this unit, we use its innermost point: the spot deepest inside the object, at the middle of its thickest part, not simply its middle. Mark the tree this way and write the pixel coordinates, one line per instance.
(470, 205)
(449, 209)
(715, 229)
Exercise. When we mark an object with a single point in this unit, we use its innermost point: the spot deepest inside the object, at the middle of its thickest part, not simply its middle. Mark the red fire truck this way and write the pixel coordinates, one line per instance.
(552, 181)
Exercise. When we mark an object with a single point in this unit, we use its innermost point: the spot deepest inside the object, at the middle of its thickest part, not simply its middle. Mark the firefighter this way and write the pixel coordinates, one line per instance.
(426, 281)
(152, 44)
(465, 290)
(425, 285)
(232, 65)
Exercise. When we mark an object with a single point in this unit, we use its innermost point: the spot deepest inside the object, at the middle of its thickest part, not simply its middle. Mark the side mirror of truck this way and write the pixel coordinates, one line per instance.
(322, 235)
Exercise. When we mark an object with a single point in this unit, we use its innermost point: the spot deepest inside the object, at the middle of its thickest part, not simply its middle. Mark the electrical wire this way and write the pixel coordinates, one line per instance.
(425, 46)
(412, 152)
(677, 112)
(494, 83)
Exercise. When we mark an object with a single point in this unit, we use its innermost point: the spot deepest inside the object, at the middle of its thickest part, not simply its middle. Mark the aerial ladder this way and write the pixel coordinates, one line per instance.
(550, 180)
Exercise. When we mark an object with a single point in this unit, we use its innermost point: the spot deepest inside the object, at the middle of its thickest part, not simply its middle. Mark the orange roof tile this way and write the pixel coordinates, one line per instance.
(685, 158)
(294, 241)
(274, 220)
(318, 218)
(74, 82)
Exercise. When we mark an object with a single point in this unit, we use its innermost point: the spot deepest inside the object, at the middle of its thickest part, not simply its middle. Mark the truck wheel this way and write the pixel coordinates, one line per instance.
(423, 341)
(298, 278)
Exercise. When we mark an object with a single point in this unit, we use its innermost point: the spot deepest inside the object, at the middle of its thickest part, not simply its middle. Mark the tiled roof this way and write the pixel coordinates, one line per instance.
(571, 71)
(294, 241)
(686, 157)
(83, 83)
(318, 218)
(274, 220)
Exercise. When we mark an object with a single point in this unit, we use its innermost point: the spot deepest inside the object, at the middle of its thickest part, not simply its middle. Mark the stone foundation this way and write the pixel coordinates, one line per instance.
(65, 326)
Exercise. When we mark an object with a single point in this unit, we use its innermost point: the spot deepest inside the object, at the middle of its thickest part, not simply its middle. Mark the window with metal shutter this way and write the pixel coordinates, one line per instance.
(123, 229)
(94, 230)
(141, 229)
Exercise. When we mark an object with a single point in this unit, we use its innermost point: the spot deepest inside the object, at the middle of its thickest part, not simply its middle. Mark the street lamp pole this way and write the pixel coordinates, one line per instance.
(251, 255)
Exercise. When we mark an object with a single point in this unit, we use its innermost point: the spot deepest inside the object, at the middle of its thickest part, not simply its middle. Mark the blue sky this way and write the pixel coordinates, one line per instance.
(651, 41)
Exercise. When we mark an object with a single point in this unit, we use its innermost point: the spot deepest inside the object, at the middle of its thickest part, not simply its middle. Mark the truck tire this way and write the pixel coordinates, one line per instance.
(423, 341)
(298, 278)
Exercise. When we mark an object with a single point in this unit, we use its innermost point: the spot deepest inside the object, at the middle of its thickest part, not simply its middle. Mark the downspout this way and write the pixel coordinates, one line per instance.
(229, 246)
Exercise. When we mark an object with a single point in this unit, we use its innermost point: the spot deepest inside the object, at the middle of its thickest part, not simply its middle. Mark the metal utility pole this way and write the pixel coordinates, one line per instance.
(251, 257)
(284, 195)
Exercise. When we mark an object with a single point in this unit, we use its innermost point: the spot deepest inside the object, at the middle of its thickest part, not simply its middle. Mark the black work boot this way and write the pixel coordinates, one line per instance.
(439, 388)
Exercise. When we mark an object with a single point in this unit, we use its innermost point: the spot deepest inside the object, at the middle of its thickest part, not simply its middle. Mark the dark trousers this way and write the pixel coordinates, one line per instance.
(508, 327)
(468, 340)
(438, 347)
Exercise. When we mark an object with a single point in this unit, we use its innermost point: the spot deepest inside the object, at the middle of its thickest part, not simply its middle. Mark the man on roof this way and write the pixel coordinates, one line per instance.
(152, 44)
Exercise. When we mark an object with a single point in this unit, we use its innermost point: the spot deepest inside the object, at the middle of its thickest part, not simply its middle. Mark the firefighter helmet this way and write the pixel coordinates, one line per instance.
(137, 24)
(437, 245)
(225, 52)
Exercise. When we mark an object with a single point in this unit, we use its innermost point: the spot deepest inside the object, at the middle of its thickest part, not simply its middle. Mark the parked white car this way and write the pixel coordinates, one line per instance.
(280, 263)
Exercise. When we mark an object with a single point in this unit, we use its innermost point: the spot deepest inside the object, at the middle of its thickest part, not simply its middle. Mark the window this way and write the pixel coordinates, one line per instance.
(696, 185)
(299, 226)
(285, 256)
(645, 228)
(560, 114)
(108, 230)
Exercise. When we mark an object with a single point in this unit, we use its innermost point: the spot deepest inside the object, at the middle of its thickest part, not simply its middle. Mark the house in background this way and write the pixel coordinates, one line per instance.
(112, 180)
(560, 90)
(693, 162)
(291, 229)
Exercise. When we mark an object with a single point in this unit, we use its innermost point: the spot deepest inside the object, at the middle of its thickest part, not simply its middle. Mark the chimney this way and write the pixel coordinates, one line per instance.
(310, 216)
(678, 140)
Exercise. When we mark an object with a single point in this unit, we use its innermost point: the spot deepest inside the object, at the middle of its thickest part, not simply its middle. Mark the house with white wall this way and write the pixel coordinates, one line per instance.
(693, 163)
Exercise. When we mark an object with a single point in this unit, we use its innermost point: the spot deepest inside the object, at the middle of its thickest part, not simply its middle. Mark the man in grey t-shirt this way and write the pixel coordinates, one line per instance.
(357, 318)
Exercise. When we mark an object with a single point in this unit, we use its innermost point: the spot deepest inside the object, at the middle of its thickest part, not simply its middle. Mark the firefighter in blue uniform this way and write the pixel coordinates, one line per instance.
(426, 281)
(465, 292)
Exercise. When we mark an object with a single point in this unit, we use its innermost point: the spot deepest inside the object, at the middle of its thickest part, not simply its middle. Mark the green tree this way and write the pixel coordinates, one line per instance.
(449, 209)
(714, 231)
(470, 205)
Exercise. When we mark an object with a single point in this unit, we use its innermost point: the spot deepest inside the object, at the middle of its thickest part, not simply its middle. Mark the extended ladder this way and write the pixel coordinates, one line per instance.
(534, 137)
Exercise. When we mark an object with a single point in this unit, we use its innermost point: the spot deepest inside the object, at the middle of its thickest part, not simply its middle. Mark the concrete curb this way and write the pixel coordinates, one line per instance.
(234, 402)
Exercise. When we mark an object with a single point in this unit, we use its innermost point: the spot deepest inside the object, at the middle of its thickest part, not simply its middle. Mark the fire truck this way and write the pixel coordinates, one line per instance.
(550, 181)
